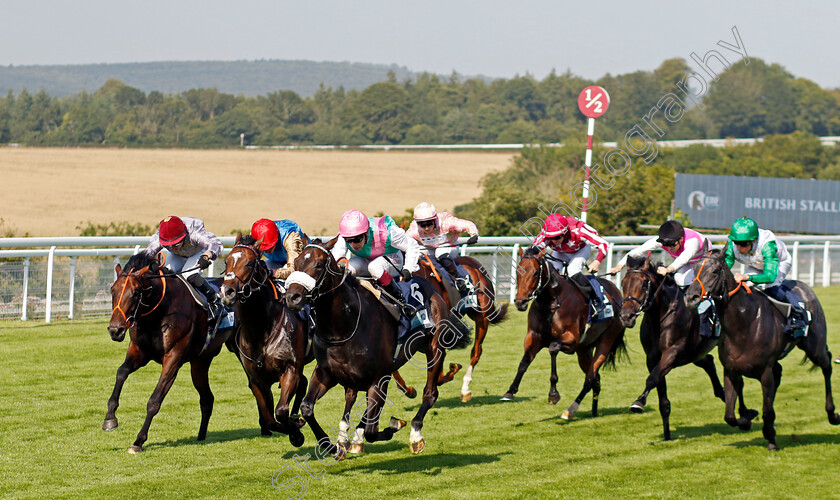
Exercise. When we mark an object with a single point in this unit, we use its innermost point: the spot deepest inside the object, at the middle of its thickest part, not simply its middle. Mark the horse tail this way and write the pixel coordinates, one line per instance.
(618, 352)
(499, 314)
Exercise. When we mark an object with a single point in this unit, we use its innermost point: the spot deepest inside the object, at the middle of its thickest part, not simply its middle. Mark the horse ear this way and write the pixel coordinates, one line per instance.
(330, 244)
(258, 243)
(647, 261)
(521, 252)
(118, 269)
(238, 237)
(542, 251)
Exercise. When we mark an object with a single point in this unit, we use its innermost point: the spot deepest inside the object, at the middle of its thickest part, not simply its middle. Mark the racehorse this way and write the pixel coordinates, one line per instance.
(669, 332)
(557, 320)
(483, 315)
(165, 324)
(272, 339)
(753, 339)
(361, 354)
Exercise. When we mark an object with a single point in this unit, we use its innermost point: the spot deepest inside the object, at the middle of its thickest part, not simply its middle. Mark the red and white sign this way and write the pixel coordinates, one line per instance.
(593, 101)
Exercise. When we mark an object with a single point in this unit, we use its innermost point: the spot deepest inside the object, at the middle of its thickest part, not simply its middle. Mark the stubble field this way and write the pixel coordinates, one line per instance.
(48, 192)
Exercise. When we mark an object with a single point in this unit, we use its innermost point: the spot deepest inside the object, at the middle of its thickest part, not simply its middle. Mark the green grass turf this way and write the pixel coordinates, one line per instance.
(55, 381)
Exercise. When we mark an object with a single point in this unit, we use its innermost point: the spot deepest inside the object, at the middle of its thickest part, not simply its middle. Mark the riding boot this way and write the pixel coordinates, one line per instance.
(200, 284)
(394, 291)
(708, 318)
(800, 318)
(449, 264)
(588, 292)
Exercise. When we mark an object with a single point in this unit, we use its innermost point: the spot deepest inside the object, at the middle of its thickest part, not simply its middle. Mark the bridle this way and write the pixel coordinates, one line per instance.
(544, 276)
(708, 294)
(647, 301)
(130, 319)
(252, 283)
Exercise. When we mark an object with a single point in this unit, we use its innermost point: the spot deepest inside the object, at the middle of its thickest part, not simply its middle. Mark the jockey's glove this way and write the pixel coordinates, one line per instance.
(473, 240)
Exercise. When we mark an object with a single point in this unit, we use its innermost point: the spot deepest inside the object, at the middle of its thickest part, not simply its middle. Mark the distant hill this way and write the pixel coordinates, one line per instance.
(250, 78)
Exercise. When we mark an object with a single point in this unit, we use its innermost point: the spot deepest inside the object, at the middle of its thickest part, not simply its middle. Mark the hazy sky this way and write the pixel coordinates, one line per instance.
(488, 37)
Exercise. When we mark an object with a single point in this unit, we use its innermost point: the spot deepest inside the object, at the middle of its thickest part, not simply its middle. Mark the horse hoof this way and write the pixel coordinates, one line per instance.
(454, 368)
(745, 425)
(567, 415)
(466, 397)
(135, 449)
(396, 423)
(637, 407)
(750, 414)
(553, 398)
(356, 448)
(410, 392)
(772, 447)
(297, 439)
(834, 419)
(265, 431)
(110, 424)
(507, 397)
(340, 452)
(418, 447)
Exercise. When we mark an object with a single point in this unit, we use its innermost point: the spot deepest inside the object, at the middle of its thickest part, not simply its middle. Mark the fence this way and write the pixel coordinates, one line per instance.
(66, 281)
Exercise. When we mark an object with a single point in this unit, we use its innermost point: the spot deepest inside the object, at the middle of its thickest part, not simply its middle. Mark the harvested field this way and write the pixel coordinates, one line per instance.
(48, 192)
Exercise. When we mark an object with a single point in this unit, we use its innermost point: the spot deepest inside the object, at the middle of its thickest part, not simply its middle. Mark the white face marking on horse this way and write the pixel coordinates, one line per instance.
(235, 258)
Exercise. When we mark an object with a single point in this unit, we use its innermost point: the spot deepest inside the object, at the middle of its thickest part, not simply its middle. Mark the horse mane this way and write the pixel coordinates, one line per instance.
(639, 263)
(138, 261)
(247, 240)
(532, 251)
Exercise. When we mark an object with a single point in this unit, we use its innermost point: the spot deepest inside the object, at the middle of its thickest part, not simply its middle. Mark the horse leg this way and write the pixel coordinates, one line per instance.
(320, 382)
(357, 445)
(733, 388)
(450, 374)
(167, 377)
(664, 408)
(199, 369)
(553, 395)
(533, 344)
(585, 363)
(410, 392)
(134, 359)
(300, 392)
(288, 389)
(708, 365)
(265, 400)
(481, 325)
(376, 396)
(770, 380)
(821, 356)
(654, 366)
(435, 356)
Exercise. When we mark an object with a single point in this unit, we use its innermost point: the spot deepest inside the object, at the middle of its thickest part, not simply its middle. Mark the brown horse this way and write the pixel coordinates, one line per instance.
(669, 332)
(557, 320)
(272, 339)
(753, 339)
(165, 324)
(356, 344)
(484, 315)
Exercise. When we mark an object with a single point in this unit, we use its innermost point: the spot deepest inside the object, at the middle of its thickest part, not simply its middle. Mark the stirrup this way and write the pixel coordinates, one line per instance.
(462, 284)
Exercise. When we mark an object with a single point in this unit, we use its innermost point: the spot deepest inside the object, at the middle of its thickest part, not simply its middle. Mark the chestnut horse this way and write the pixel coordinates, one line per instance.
(165, 324)
(356, 344)
(484, 315)
(753, 339)
(272, 339)
(557, 320)
(669, 332)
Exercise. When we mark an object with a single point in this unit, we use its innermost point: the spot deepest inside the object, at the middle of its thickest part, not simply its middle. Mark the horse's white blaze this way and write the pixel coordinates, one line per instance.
(230, 276)
(465, 386)
(415, 436)
(235, 258)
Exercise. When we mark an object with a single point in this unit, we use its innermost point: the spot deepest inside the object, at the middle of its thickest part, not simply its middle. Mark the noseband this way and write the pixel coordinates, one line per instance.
(708, 294)
(129, 319)
(647, 300)
(313, 285)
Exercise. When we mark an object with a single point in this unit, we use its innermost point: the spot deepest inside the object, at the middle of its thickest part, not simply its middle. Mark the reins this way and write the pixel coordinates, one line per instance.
(129, 320)
(247, 285)
(706, 294)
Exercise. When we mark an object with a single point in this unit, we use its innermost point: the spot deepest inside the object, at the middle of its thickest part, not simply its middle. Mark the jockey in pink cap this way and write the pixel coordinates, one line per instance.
(572, 241)
(438, 232)
(375, 246)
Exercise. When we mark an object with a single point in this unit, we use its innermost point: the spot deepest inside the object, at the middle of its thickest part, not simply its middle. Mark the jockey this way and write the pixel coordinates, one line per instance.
(282, 241)
(769, 263)
(573, 240)
(438, 232)
(185, 244)
(375, 245)
(687, 247)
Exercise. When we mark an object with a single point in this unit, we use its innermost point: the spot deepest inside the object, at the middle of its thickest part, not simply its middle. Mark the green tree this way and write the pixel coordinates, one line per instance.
(380, 113)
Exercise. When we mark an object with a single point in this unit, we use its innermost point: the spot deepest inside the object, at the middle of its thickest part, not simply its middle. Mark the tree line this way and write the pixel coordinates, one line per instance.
(746, 101)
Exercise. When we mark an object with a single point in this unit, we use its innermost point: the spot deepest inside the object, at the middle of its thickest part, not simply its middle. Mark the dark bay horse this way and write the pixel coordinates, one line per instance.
(669, 332)
(557, 320)
(165, 324)
(356, 344)
(753, 339)
(272, 339)
(484, 315)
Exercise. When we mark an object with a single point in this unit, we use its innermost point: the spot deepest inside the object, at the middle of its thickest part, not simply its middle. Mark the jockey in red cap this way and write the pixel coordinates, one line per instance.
(282, 241)
(187, 245)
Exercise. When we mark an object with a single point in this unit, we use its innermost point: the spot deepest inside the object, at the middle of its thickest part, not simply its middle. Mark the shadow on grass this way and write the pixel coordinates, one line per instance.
(455, 402)
(431, 464)
(216, 437)
(584, 413)
(789, 440)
